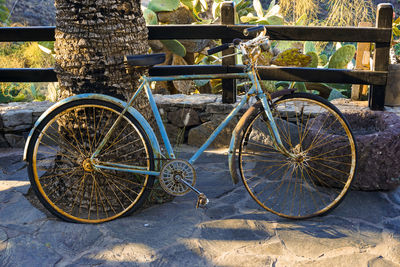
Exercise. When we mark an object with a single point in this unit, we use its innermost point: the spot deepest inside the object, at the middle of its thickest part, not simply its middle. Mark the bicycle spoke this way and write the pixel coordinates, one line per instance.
(300, 184)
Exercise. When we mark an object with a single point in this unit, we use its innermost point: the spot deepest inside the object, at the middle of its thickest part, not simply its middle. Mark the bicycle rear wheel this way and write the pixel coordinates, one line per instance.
(316, 177)
(60, 171)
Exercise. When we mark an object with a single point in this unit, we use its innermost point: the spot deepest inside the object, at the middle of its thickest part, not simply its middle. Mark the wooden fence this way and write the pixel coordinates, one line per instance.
(380, 35)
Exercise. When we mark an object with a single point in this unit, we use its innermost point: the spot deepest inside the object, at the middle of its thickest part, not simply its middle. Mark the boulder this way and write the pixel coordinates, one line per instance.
(184, 117)
(378, 140)
(199, 134)
(377, 137)
(33, 12)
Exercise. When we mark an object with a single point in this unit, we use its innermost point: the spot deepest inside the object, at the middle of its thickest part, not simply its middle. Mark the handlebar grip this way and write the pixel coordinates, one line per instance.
(247, 31)
(218, 49)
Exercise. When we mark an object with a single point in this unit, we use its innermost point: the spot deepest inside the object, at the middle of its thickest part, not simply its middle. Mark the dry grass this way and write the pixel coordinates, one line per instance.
(24, 55)
(349, 12)
(27, 55)
(339, 12)
(294, 9)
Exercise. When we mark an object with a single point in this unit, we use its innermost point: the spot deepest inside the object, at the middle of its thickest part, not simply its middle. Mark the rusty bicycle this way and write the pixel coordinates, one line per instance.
(93, 158)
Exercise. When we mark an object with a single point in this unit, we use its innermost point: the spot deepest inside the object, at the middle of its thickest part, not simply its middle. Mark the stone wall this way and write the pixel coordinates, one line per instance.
(187, 118)
(16, 120)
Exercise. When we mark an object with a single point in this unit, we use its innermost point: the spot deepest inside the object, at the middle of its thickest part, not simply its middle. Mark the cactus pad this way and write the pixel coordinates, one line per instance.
(162, 5)
(342, 57)
(314, 59)
(292, 57)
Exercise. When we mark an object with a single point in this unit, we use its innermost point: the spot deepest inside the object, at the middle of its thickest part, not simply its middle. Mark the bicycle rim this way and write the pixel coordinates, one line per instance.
(317, 176)
(60, 169)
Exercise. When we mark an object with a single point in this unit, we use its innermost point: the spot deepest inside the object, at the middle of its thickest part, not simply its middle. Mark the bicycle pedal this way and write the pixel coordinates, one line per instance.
(202, 201)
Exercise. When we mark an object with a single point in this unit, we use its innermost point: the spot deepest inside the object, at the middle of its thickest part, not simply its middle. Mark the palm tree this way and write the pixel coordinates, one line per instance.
(92, 38)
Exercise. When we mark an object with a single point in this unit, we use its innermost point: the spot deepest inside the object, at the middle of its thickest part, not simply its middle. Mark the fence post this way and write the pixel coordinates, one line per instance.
(228, 85)
(384, 17)
(362, 63)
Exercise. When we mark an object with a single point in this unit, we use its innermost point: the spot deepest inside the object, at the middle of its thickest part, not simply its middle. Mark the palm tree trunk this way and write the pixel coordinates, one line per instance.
(92, 38)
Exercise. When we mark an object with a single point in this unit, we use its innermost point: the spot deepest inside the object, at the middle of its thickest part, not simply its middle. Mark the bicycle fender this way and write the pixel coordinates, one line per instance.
(241, 127)
(235, 141)
(136, 114)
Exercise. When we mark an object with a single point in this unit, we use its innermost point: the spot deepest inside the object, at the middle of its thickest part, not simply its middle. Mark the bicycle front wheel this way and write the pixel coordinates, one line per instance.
(322, 162)
(59, 162)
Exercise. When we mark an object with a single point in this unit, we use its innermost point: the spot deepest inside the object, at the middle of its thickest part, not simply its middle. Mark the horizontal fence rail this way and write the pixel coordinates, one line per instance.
(266, 73)
(281, 73)
(183, 31)
(380, 35)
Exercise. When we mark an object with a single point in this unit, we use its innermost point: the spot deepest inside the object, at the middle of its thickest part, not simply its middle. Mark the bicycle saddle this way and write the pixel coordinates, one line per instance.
(144, 60)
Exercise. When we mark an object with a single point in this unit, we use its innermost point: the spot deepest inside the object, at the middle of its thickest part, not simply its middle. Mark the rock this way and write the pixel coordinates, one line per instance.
(380, 262)
(3, 142)
(220, 211)
(194, 46)
(33, 12)
(25, 251)
(358, 205)
(199, 134)
(184, 117)
(30, 214)
(67, 236)
(378, 139)
(156, 45)
(180, 100)
(175, 134)
(182, 15)
(17, 119)
(353, 259)
(15, 140)
(3, 239)
(11, 165)
(219, 108)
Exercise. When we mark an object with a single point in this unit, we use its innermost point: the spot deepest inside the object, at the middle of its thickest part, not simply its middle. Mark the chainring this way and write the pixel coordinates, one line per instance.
(171, 174)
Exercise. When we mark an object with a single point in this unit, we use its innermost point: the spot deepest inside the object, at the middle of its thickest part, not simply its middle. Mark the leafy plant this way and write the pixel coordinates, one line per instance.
(24, 55)
(243, 7)
(162, 5)
(339, 60)
(269, 17)
(196, 7)
(4, 12)
(150, 15)
(395, 28)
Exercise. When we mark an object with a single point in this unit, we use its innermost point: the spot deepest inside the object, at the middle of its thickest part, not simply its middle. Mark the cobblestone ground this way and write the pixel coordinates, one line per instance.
(233, 231)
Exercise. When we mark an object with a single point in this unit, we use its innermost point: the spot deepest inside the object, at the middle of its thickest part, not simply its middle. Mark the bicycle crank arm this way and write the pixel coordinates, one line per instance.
(202, 200)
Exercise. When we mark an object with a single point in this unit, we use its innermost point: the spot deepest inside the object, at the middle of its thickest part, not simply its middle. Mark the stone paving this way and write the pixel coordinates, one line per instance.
(233, 231)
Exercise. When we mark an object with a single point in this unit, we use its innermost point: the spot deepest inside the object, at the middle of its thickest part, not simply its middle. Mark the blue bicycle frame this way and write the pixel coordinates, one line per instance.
(255, 90)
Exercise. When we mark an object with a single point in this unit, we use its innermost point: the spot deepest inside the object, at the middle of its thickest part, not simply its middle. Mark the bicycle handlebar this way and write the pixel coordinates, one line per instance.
(261, 40)
(247, 31)
(218, 48)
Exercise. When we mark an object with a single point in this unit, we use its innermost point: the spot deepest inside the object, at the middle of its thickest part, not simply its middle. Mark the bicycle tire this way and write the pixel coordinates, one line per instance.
(316, 178)
(58, 162)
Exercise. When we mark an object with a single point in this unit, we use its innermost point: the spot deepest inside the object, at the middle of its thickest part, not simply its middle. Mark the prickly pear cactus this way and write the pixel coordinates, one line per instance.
(342, 57)
(323, 60)
(175, 47)
(314, 59)
(292, 57)
(162, 5)
(265, 58)
(150, 16)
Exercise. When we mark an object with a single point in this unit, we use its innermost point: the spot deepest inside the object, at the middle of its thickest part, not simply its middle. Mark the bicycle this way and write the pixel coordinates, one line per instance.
(93, 158)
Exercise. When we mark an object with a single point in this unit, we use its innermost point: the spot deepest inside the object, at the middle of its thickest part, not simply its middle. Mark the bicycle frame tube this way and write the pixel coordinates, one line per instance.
(108, 135)
(274, 129)
(254, 90)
